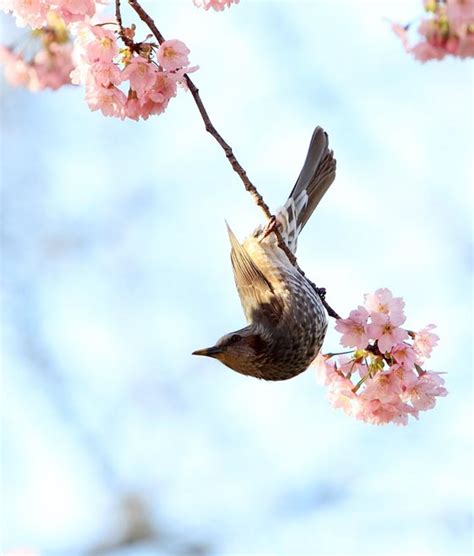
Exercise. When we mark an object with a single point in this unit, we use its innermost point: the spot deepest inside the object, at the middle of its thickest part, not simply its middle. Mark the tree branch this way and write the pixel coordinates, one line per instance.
(237, 167)
(207, 121)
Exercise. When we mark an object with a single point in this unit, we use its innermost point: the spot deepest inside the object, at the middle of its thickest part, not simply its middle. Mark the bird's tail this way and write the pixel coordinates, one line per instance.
(317, 174)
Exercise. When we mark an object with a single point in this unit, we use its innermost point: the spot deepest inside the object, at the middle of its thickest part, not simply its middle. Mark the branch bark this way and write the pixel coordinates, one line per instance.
(236, 166)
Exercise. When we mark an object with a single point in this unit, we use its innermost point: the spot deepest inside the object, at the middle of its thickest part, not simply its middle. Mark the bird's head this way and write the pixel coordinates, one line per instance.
(242, 351)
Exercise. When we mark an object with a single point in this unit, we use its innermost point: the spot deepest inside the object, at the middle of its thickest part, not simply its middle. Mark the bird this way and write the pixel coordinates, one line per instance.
(286, 317)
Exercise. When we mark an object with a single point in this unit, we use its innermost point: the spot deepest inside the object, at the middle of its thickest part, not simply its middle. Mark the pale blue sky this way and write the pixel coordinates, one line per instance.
(116, 268)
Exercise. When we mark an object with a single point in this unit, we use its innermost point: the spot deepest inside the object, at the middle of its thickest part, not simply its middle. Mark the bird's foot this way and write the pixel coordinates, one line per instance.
(271, 226)
(321, 292)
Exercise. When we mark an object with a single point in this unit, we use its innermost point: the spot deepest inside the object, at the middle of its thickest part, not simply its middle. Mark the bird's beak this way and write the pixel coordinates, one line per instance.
(209, 352)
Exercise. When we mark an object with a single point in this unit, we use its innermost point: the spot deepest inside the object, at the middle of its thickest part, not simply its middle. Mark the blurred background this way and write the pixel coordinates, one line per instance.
(115, 267)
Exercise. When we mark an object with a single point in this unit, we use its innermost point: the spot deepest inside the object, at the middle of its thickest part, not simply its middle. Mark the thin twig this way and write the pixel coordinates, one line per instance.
(207, 121)
(142, 14)
(237, 167)
(127, 40)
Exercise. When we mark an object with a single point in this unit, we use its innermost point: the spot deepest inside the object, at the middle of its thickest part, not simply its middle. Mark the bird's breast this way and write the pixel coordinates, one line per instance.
(298, 337)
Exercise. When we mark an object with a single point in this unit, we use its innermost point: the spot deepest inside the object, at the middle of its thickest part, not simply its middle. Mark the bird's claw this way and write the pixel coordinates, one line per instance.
(270, 227)
(321, 292)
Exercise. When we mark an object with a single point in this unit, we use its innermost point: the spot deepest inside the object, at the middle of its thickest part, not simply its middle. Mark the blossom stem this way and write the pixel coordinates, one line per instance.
(236, 166)
(419, 370)
(329, 355)
(361, 381)
(349, 374)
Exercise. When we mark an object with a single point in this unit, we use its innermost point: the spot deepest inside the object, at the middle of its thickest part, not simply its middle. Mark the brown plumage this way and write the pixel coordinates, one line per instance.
(286, 319)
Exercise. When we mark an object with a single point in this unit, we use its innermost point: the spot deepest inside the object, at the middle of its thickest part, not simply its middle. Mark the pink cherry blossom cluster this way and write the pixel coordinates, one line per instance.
(134, 82)
(49, 64)
(217, 5)
(447, 29)
(149, 73)
(48, 69)
(382, 379)
(35, 12)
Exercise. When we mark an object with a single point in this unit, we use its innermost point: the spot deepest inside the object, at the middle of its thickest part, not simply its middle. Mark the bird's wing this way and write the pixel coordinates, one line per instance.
(258, 298)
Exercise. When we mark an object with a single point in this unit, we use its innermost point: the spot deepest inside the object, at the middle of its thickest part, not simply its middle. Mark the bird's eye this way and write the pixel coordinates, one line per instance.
(234, 338)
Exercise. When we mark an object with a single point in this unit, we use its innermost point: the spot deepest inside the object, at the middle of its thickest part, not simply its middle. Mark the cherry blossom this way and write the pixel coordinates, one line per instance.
(217, 5)
(17, 71)
(382, 301)
(110, 100)
(342, 396)
(385, 329)
(381, 381)
(141, 75)
(173, 55)
(401, 31)
(425, 51)
(99, 43)
(74, 10)
(404, 355)
(35, 12)
(354, 328)
(422, 395)
(460, 14)
(425, 341)
(447, 29)
(377, 412)
(27, 12)
(105, 74)
(48, 68)
(324, 369)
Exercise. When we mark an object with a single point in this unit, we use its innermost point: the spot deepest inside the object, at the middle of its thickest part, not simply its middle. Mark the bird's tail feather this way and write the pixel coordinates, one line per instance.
(317, 174)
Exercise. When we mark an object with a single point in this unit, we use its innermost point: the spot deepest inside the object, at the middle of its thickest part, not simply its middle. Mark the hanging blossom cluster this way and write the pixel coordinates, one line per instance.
(217, 5)
(49, 64)
(36, 13)
(67, 45)
(149, 73)
(446, 29)
(381, 380)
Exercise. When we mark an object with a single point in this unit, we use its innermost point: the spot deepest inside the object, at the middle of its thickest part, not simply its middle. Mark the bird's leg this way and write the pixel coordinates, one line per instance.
(322, 296)
(272, 226)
